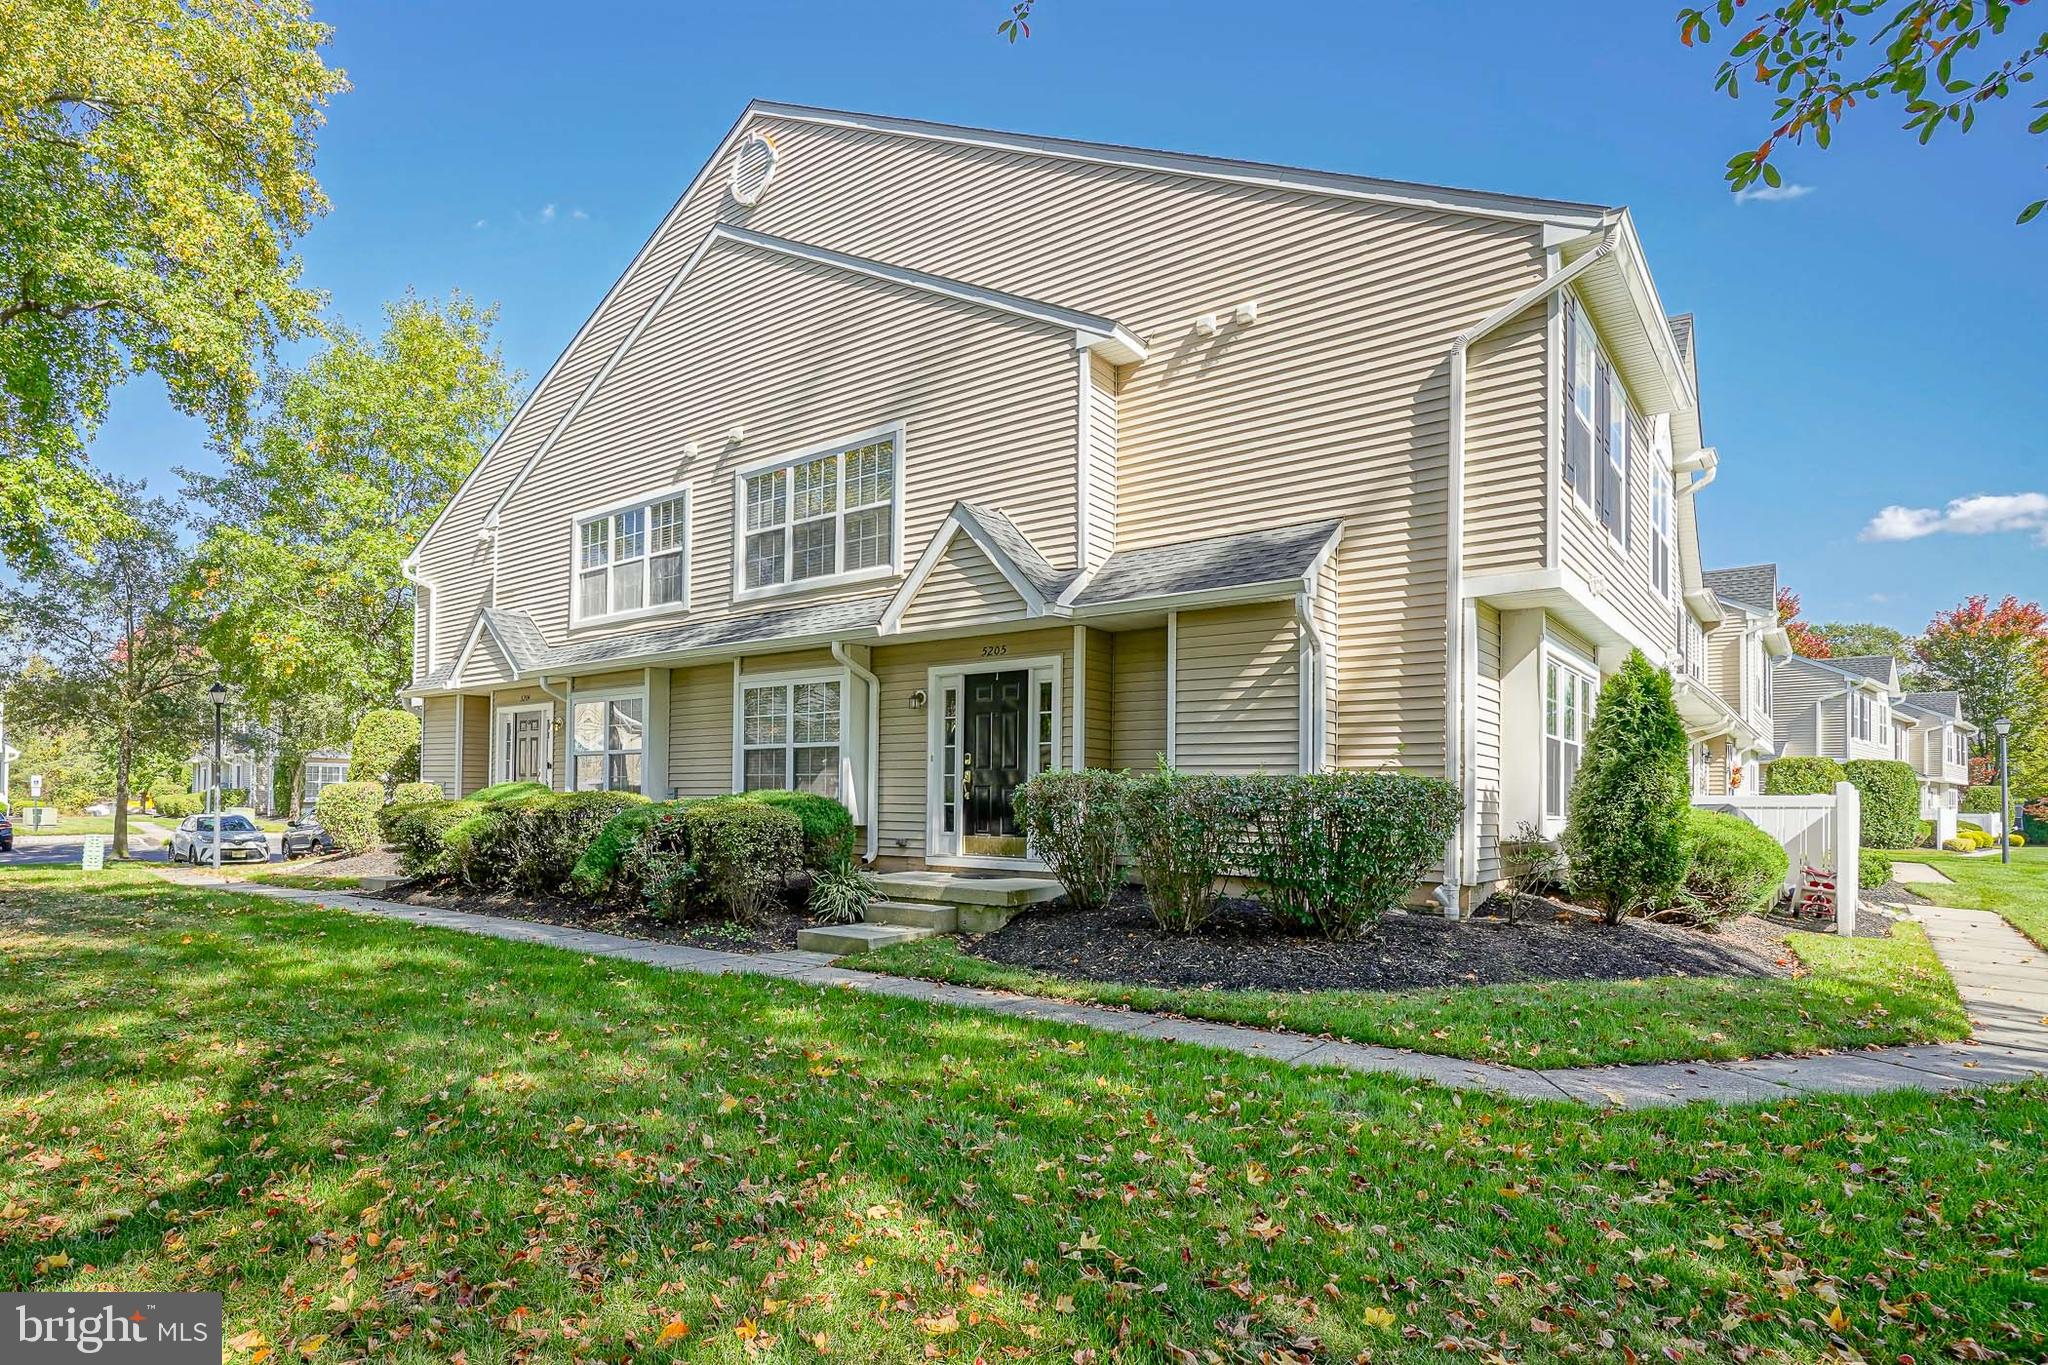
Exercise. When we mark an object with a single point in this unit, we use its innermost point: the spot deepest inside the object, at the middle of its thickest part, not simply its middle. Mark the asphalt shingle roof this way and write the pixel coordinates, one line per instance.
(1753, 585)
(1883, 667)
(1049, 581)
(1205, 565)
(761, 627)
(1947, 705)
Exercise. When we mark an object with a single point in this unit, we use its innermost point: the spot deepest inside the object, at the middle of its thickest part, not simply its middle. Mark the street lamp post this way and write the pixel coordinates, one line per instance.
(218, 695)
(2004, 728)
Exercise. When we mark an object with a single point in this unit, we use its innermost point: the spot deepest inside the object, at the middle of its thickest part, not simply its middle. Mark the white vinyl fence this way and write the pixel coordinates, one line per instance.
(1815, 831)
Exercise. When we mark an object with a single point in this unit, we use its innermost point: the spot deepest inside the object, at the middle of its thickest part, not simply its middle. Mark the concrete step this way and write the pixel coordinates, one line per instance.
(953, 889)
(843, 940)
(940, 919)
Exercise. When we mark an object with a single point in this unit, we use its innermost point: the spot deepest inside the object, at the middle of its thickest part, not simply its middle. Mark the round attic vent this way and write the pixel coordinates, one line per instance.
(753, 166)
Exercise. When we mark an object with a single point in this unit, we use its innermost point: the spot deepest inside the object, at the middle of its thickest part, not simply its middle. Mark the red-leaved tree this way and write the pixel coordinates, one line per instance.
(1996, 657)
(1806, 642)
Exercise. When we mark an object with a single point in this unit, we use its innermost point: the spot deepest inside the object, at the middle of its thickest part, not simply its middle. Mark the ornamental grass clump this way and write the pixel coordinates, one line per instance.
(1184, 829)
(1074, 820)
(1629, 833)
(1334, 852)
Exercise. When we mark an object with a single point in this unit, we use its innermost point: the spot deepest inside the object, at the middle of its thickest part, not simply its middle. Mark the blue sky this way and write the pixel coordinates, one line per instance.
(1871, 340)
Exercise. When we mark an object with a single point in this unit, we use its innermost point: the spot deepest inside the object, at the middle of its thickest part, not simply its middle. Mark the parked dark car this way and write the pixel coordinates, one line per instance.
(6, 833)
(305, 835)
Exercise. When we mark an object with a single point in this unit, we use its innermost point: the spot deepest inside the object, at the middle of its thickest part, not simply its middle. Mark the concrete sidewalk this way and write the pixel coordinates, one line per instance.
(2002, 978)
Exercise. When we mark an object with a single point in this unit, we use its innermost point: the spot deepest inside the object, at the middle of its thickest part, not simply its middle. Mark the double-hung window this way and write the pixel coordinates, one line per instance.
(633, 559)
(320, 775)
(608, 741)
(1860, 718)
(1598, 423)
(1567, 711)
(789, 736)
(821, 518)
(1663, 527)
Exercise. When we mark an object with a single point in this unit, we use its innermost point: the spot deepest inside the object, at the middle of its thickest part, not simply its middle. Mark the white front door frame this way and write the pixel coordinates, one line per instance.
(942, 846)
(501, 736)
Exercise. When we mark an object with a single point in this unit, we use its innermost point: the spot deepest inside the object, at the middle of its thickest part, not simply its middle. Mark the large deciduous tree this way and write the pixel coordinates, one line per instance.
(1849, 639)
(156, 167)
(1996, 657)
(1943, 60)
(1807, 642)
(111, 645)
(352, 459)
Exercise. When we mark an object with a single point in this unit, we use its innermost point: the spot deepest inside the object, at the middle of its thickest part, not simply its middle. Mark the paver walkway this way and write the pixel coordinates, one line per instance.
(2002, 978)
(1918, 872)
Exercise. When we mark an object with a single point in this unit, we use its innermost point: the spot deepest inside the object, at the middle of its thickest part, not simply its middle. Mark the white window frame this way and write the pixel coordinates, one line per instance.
(312, 783)
(1621, 422)
(1862, 715)
(788, 681)
(641, 503)
(1567, 664)
(942, 848)
(501, 725)
(572, 751)
(1586, 345)
(892, 567)
(1663, 546)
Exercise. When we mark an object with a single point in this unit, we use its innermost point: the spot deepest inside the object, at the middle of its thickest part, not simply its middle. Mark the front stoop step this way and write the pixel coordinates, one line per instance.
(985, 904)
(940, 919)
(844, 940)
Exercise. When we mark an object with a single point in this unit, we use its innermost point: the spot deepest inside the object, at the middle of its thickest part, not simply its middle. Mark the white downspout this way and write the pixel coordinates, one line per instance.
(1312, 681)
(568, 719)
(1447, 891)
(872, 778)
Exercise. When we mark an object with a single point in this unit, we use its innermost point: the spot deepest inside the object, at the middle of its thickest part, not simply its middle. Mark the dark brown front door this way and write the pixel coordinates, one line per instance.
(993, 759)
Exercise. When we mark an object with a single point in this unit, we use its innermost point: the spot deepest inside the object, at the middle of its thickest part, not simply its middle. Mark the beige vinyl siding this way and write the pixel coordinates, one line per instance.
(789, 660)
(1138, 705)
(1237, 703)
(905, 750)
(1587, 550)
(1097, 696)
(486, 665)
(437, 742)
(476, 746)
(1506, 465)
(700, 726)
(965, 588)
(1724, 661)
(1326, 602)
(800, 355)
(1807, 710)
(1486, 747)
(1717, 766)
(1100, 454)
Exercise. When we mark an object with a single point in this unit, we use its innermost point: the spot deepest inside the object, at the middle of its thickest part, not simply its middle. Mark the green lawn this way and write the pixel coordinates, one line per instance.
(78, 824)
(2019, 891)
(1854, 992)
(409, 1144)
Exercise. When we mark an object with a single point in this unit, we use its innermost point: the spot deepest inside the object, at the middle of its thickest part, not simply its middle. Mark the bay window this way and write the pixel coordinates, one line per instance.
(633, 560)
(607, 742)
(820, 518)
(790, 735)
(1567, 711)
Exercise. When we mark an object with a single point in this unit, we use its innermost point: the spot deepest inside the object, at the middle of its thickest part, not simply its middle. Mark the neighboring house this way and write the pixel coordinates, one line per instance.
(907, 460)
(1940, 753)
(1724, 679)
(249, 762)
(1843, 708)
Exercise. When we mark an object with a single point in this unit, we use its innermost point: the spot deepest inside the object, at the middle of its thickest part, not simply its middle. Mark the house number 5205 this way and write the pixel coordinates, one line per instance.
(994, 651)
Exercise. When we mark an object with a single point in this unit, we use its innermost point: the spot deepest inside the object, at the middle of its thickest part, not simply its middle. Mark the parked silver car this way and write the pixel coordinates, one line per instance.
(240, 840)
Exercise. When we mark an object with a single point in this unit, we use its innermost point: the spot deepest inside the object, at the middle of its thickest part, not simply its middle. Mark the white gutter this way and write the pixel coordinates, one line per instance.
(872, 777)
(1312, 677)
(1454, 595)
(568, 719)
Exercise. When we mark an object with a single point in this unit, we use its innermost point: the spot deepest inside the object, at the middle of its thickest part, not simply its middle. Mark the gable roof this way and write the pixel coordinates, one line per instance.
(1879, 667)
(1753, 585)
(1947, 705)
(1036, 581)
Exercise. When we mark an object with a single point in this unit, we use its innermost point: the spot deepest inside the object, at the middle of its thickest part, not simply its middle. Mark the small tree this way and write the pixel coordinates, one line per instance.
(1629, 834)
(1890, 800)
(386, 747)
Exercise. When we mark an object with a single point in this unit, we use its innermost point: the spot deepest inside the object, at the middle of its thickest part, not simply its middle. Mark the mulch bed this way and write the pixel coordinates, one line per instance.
(1244, 948)
(776, 931)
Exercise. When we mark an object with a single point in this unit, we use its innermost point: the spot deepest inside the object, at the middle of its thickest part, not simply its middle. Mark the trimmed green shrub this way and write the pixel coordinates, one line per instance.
(828, 827)
(606, 869)
(348, 812)
(2017, 839)
(1981, 799)
(842, 894)
(1183, 830)
(510, 791)
(1959, 844)
(1074, 820)
(1629, 833)
(1891, 800)
(176, 805)
(744, 850)
(234, 796)
(166, 790)
(1736, 868)
(546, 835)
(417, 831)
(657, 864)
(1925, 835)
(385, 748)
(406, 792)
(1335, 851)
(1803, 776)
(1873, 867)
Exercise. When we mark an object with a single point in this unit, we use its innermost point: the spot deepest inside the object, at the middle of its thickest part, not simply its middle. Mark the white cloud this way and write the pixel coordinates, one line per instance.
(482, 223)
(1773, 194)
(547, 213)
(578, 214)
(1983, 515)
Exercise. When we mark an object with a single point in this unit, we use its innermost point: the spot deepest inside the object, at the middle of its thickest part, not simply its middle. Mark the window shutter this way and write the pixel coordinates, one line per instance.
(1573, 456)
(1603, 500)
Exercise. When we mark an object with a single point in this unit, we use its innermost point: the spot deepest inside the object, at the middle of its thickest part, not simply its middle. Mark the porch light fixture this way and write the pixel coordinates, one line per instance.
(918, 700)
